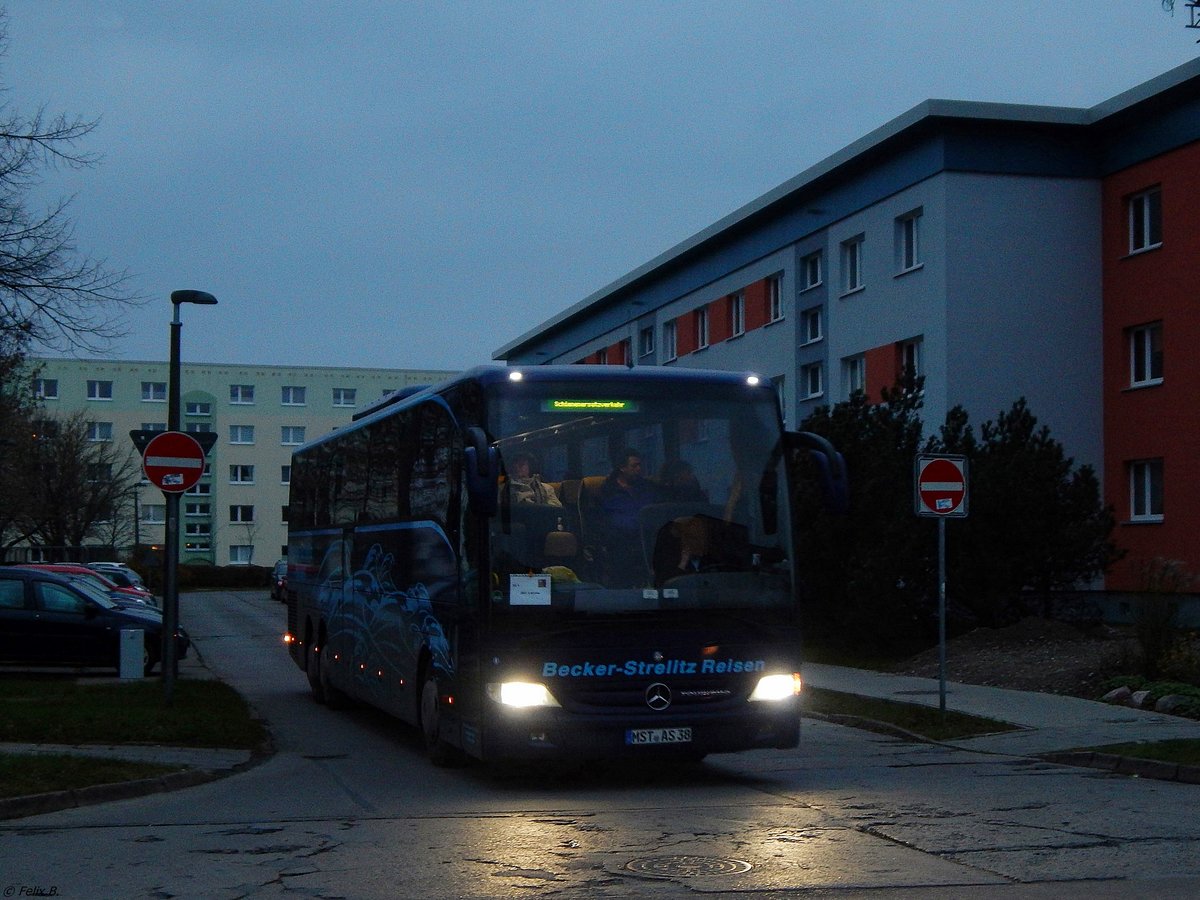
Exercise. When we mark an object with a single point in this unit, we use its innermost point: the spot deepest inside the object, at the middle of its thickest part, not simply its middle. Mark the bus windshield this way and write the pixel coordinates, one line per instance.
(625, 496)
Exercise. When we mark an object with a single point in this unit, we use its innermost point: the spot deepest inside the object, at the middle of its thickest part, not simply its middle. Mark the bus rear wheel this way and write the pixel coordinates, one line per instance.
(440, 753)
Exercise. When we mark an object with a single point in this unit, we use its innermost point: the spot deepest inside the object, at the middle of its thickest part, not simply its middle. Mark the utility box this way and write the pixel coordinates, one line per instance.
(132, 644)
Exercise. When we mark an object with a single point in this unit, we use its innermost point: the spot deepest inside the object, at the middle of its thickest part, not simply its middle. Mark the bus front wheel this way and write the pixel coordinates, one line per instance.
(440, 753)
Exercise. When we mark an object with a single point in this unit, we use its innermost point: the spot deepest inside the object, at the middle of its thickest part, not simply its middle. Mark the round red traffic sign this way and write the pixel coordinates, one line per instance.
(941, 486)
(173, 461)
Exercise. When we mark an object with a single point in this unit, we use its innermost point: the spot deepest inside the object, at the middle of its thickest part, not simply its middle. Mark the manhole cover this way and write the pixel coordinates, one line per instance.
(687, 866)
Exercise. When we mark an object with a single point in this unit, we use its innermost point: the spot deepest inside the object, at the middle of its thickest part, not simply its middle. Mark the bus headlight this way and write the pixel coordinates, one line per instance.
(521, 694)
(777, 687)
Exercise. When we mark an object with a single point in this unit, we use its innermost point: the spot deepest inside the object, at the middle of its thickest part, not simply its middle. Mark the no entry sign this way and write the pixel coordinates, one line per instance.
(173, 461)
(941, 486)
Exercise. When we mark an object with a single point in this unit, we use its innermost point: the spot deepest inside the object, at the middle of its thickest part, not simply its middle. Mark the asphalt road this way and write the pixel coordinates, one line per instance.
(349, 807)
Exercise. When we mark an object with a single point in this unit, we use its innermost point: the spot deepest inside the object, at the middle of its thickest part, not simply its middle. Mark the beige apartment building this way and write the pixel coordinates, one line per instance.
(237, 514)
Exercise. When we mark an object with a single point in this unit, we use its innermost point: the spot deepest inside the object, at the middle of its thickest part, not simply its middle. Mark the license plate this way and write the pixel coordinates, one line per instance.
(658, 736)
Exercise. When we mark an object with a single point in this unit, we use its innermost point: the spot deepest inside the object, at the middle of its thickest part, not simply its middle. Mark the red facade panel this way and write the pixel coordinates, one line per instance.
(758, 304)
(1156, 421)
(685, 334)
(882, 364)
(720, 327)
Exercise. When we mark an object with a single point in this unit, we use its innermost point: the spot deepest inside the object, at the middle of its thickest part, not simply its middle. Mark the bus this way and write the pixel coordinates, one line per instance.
(608, 613)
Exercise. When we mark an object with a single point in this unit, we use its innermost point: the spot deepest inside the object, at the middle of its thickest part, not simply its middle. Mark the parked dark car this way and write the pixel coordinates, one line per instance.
(279, 581)
(102, 580)
(50, 620)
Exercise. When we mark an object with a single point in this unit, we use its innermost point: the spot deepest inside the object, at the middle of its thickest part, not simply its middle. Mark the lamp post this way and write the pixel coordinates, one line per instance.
(170, 661)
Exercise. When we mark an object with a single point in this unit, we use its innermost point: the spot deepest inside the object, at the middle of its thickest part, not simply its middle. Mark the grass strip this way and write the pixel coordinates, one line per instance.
(58, 710)
(26, 774)
(927, 721)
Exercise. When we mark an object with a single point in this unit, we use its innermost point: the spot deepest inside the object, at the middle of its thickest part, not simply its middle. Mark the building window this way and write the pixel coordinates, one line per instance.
(241, 554)
(154, 392)
(775, 298)
(283, 514)
(285, 474)
(1146, 490)
(668, 341)
(197, 546)
(243, 514)
(737, 314)
(344, 396)
(154, 513)
(198, 427)
(854, 374)
(810, 325)
(292, 434)
(45, 388)
(852, 264)
(811, 382)
(910, 358)
(701, 320)
(1145, 355)
(810, 271)
(154, 426)
(99, 431)
(197, 529)
(241, 474)
(99, 472)
(908, 241)
(241, 434)
(197, 409)
(241, 394)
(203, 489)
(197, 509)
(602, 356)
(292, 395)
(1145, 220)
(646, 341)
(99, 390)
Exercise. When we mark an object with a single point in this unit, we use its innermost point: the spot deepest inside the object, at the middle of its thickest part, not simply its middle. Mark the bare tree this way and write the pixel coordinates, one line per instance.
(74, 483)
(50, 294)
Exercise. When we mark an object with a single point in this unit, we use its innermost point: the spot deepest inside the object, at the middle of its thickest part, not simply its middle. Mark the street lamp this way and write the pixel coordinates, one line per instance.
(170, 661)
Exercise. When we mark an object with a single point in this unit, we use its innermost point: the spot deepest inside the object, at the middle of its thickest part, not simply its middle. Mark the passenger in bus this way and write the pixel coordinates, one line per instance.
(623, 493)
(683, 548)
(526, 484)
(677, 481)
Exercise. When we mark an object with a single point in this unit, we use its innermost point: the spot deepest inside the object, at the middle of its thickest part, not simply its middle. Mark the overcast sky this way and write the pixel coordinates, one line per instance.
(415, 184)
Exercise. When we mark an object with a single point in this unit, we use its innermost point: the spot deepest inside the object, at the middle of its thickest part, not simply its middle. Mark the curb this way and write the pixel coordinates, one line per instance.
(54, 801)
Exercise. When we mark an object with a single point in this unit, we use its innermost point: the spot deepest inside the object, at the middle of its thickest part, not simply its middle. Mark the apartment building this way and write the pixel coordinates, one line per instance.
(998, 250)
(237, 514)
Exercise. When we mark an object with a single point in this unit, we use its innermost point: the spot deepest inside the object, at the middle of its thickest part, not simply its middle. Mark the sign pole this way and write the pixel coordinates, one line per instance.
(942, 615)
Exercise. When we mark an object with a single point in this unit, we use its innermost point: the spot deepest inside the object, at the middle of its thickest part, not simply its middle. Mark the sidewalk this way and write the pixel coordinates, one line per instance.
(1049, 725)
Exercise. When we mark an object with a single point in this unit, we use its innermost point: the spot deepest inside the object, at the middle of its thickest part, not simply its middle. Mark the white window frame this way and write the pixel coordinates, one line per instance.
(196, 408)
(737, 314)
(293, 395)
(646, 341)
(197, 529)
(852, 265)
(1145, 215)
(154, 426)
(197, 509)
(812, 325)
(1146, 490)
(347, 397)
(908, 241)
(241, 434)
(241, 394)
(854, 374)
(200, 489)
(912, 356)
(154, 392)
(700, 321)
(240, 473)
(45, 388)
(1145, 344)
(100, 432)
(153, 514)
(291, 435)
(100, 390)
(775, 299)
(241, 554)
(670, 341)
(285, 474)
(810, 271)
(241, 513)
(812, 380)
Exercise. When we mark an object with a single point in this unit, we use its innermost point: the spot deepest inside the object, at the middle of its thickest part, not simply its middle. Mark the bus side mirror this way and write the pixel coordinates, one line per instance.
(830, 465)
(483, 471)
